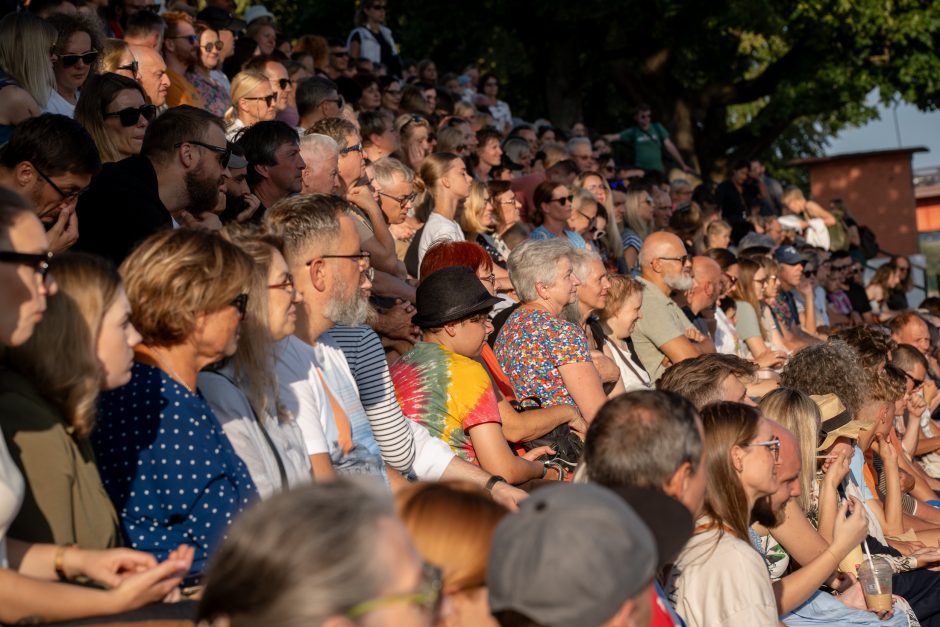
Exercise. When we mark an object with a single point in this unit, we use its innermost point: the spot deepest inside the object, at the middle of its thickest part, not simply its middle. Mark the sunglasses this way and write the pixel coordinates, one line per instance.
(68, 60)
(917, 382)
(131, 115)
(192, 39)
(809, 273)
(401, 200)
(224, 153)
(564, 200)
(39, 262)
(592, 220)
(284, 83)
(213, 45)
(241, 304)
(349, 149)
(131, 67)
(268, 100)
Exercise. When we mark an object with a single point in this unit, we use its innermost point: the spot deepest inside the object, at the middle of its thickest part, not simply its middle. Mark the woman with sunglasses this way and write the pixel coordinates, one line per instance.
(77, 48)
(242, 389)
(215, 97)
(553, 209)
(718, 578)
(114, 111)
(164, 459)
(253, 100)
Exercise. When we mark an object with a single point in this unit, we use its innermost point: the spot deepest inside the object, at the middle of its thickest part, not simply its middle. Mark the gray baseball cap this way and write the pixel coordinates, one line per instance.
(571, 556)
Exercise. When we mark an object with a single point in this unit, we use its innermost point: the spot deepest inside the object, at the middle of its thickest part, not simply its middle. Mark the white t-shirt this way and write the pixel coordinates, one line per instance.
(235, 414)
(11, 496)
(59, 105)
(436, 229)
(721, 583)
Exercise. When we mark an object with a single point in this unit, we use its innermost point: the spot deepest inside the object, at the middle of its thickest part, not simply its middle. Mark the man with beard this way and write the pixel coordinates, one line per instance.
(179, 172)
(239, 204)
(275, 166)
(663, 334)
(49, 161)
(180, 51)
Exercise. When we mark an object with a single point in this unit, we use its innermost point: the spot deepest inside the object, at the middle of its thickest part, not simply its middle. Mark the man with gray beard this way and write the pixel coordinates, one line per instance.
(663, 335)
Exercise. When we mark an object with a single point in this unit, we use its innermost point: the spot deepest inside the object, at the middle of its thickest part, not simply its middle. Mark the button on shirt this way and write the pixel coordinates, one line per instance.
(661, 320)
(168, 467)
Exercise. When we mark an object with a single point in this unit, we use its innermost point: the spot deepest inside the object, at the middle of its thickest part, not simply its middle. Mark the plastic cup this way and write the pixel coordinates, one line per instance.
(875, 578)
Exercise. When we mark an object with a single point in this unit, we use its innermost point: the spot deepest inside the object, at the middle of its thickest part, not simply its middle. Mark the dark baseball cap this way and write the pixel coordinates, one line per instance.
(789, 255)
(220, 19)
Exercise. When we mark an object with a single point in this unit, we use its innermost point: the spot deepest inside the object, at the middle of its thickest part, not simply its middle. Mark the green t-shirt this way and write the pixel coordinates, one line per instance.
(647, 145)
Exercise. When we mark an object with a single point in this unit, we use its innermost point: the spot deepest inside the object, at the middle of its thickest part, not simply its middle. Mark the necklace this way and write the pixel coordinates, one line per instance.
(163, 366)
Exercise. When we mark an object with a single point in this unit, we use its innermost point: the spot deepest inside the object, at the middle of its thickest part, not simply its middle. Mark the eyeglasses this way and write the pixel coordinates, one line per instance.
(68, 60)
(39, 262)
(131, 67)
(241, 304)
(362, 257)
(268, 100)
(427, 597)
(917, 382)
(731, 278)
(809, 273)
(66, 197)
(592, 220)
(491, 278)
(284, 83)
(131, 115)
(761, 281)
(648, 200)
(224, 153)
(209, 46)
(349, 149)
(401, 200)
(192, 39)
(773, 445)
(684, 259)
(287, 285)
(564, 200)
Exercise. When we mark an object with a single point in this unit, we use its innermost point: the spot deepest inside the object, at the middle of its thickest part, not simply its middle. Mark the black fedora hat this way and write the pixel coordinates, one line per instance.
(450, 294)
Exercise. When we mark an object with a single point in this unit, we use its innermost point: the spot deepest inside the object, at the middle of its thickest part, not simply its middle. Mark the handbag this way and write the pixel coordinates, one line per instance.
(567, 445)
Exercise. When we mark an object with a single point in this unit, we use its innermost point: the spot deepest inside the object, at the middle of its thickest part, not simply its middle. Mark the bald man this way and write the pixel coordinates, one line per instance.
(706, 288)
(152, 73)
(662, 334)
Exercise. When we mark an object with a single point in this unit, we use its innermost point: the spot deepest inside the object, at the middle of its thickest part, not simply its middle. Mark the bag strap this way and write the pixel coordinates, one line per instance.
(627, 361)
(267, 438)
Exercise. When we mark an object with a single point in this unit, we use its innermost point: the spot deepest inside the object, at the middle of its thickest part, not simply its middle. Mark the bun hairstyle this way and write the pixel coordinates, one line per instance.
(432, 170)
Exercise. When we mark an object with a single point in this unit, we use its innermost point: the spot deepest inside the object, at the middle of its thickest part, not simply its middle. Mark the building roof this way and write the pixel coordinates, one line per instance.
(860, 155)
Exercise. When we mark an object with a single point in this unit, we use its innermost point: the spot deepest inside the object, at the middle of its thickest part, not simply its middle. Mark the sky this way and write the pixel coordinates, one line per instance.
(916, 128)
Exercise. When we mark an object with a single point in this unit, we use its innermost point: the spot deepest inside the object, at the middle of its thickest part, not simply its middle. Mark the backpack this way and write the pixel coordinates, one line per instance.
(839, 234)
(868, 242)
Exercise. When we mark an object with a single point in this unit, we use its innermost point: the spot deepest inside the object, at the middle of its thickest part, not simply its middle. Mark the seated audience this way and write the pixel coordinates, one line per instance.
(618, 319)
(252, 100)
(77, 47)
(114, 111)
(552, 202)
(275, 165)
(187, 296)
(26, 75)
(442, 182)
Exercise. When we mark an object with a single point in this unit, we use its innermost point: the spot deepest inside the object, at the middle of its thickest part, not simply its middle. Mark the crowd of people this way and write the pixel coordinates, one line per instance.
(305, 332)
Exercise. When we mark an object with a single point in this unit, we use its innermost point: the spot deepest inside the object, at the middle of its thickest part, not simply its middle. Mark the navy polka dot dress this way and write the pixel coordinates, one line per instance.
(168, 467)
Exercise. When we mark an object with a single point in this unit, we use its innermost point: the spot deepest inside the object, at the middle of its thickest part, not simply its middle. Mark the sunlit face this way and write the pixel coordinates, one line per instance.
(153, 76)
(277, 75)
(396, 199)
(490, 153)
(260, 104)
(282, 298)
(127, 139)
(597, 188)
(758, 467)
(508, 207)
(592, 292)
(209, 49)
(73, 77)
(116, 341)
(624, 321)
(459, 179)
(559, 207)
(565, 289)
(22, 288)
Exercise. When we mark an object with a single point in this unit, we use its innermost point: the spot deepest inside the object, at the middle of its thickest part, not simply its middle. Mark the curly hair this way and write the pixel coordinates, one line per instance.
(833, 367)
(872, 342)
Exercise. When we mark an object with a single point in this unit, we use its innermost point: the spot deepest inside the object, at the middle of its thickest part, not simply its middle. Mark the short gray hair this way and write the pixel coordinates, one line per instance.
(536, 261)
(385, 169)
(515, 147)
(576, 141)
(319, 143)
(304, 222)
(678, 185)
(300, 557)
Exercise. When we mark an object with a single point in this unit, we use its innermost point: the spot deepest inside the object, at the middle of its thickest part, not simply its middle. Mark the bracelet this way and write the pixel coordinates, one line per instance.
(493, 481)
(544, 469)
(59, 561)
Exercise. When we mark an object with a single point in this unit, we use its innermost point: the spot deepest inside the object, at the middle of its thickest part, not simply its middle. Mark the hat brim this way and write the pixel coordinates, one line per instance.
(439, 319)
(849, 430)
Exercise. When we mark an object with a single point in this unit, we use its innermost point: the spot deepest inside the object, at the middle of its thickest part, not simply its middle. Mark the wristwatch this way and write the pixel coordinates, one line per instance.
(493, 481)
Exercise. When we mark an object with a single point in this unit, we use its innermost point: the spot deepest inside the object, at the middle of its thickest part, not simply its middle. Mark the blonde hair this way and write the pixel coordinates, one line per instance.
(173, 276)
(243, 84)
(25, 45)
(792, 193)
(473, 208)
(254, 361)
(60, 357)
(621, 288)
(631, 212)
(111, 55)
(452, 525)
(433, 169)
(800, 414)
(713, 229)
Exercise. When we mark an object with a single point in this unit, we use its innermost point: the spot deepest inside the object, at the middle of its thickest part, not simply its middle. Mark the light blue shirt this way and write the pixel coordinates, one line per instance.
(576, 240)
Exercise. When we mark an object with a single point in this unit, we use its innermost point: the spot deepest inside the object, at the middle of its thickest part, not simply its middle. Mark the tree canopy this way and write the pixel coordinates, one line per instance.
(735, 78)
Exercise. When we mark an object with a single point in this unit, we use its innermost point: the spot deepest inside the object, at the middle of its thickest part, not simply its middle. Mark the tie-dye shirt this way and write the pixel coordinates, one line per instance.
(445, 392)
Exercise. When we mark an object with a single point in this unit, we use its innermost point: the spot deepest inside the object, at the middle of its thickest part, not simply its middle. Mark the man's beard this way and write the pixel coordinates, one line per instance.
(234, 203)
(203, 193)
(350, 312)
(679, 282)
(764, 513)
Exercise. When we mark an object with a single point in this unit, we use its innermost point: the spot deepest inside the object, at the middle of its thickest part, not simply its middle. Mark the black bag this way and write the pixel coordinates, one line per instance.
(868, 242)
(567, 445)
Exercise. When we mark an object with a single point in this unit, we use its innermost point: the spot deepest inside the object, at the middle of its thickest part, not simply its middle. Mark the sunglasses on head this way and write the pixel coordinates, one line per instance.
(131, 115)
(68, 60)
(217, 45)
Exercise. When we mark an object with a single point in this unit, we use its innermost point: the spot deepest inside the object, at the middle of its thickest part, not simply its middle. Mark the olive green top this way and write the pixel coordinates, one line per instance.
(65, 502)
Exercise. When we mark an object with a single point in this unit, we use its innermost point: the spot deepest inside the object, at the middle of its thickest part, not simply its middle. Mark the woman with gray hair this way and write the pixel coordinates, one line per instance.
(545, 356)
